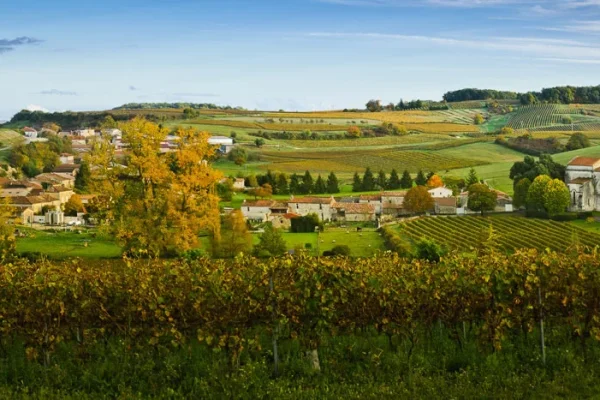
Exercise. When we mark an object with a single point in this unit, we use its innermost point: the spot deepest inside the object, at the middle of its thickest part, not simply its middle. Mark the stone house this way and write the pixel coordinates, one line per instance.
(259, 210)
(582, 177)
(445, 205)
(18, 188)
(322, 206)
(373, 199)
(440, 192)
(354, 212)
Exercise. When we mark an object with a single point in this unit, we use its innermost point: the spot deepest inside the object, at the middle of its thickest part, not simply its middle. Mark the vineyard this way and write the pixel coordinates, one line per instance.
(462, 105)
(464, 233)
(548, 117)
(268, 312)
(352, 161)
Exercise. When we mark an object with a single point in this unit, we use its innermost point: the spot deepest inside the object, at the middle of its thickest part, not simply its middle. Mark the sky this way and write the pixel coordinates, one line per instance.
(287, 54)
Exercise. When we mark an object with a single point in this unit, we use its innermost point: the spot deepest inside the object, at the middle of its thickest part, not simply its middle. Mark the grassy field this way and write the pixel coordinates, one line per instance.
(363, 244)
(68, 244)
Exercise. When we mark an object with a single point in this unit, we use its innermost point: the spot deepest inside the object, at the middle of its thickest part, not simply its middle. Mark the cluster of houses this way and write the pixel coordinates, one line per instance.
(364, 208)
(41, 199)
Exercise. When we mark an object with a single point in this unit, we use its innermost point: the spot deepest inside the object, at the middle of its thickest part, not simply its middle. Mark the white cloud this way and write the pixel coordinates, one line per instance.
(35, 107)
(541, 47)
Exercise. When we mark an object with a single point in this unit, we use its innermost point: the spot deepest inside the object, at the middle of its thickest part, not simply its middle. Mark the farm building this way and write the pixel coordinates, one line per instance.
(440, 192)
(18, 188)
(239, 184)
(445, 205)
(583, 179)
(225, 143)
(259, 210)
(322, 206)
(374, 200)
(354, 212)
(30, 132)
(393, 197)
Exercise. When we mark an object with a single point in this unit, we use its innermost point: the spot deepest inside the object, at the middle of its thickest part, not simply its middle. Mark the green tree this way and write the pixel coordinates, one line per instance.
(374, 105)
(271, 243)
(381, 180)
(235, 237)
(295, 184)
(307, 183)
(421, 179)
(225, 190)
(282, 184)
(578, 141)
(320, 186)
(252, 182)
(356, 183)
(472, 178)
(394, 181)
(83, 177)
(478, 119)
(332, 184)
(556, 197)
(521, 189)
(238, 155)
(368, 180)
(406, 182)
(429, 249)
(535, 194)
(481, 198)
(259, 142)
(418, 200)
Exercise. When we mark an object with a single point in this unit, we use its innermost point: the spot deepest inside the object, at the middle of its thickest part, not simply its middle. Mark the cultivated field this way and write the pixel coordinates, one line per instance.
(465, 233)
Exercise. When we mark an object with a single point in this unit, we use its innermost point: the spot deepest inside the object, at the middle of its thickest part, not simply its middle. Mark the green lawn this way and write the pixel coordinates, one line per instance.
(68, 244)
(593, 227)
(362, 244)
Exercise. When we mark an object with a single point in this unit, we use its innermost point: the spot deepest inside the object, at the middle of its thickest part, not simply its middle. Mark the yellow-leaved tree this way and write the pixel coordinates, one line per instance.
(158, 202)
(8, 245)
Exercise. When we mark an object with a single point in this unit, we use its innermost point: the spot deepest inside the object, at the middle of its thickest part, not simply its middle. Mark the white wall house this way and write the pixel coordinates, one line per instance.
(259, 210)
(322, 206)
(30, 132)
(225, 143)
(440, 192)
(583, 179)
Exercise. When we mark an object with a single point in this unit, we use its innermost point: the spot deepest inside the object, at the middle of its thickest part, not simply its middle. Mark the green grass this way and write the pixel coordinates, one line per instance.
(593, 227)
(485, 151)
(68, 244)
(363, 244)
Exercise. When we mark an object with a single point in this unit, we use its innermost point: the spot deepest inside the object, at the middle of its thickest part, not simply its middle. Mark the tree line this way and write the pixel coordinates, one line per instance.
(176, 105)
(554, 95)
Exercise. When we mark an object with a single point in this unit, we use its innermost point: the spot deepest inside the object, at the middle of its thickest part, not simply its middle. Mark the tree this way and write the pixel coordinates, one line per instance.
(368, 180)
(307, 183)
(225, 190)
(51, 126)
(234, 238)
(374, 105)
(556, 197)
(282, 184)
(381, 180)
(472, 178)
(394, 181)
(435, 181)
(578, 141)
(535, 194)
(421, 180)
(271, 243)
(259, 142)
(339, 250)
(429, 249)
(108, 123)
(507, 131)
(530, 168)
(158, 202)
(83, 177)
(251, 181)
(295, 184)
(238, 155)
(74, 206)
(478, 119)
(356, 183)
(354, 132)
(418, 200)
(332, 184)
(320, 187)
(263, 191)
(406, 182)
(8, 244)
(481, 198)
(521, 189)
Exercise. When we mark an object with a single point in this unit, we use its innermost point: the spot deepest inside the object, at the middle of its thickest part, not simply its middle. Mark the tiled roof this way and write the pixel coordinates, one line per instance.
(258, 203)
(66, 168)
(445, 201)
(370, 197)
(27, 200)
(311, 200)
(356, 208)
(20, 184)
(585, 161)
(394, 194)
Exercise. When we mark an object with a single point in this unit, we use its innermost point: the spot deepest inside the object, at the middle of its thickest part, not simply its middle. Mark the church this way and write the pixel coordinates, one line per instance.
(583, 179)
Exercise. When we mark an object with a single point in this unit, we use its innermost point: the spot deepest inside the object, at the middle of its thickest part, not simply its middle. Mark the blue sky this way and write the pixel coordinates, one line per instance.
(291, 54)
